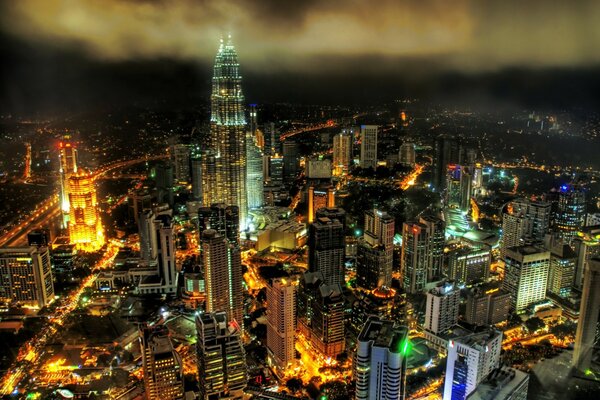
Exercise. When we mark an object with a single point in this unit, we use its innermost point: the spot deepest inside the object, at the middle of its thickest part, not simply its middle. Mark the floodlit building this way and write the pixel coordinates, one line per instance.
(380, 361)
(163, 369)
(68, 165)
(441, 310)
(85, 226)
(571, 212)
(526, 275)
(281, 322)
(224, 165)
(368, 146)
(26, 276)
(342, 152)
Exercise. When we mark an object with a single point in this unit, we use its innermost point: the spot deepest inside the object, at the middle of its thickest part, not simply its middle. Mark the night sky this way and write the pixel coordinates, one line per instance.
(64, 55)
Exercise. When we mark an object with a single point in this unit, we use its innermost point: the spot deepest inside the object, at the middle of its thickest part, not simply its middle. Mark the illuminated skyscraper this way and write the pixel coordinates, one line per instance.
(163, 369)
(85, 228)
(223, 275)
(470, 360)
(570, 215)
(222, 218)
(368, 146)
(588, 317)
(222, 366)
(441, 312)
(196, 172)
(180, 159)
(381, 360)
(587, 246)
(68, 166)
(342, 152)
(319, 198)
(526, 276)
(26, 276)
(327, 248)
(224, 167)
(281, 321)
(407, 154)
(376, 251)
(254, 173)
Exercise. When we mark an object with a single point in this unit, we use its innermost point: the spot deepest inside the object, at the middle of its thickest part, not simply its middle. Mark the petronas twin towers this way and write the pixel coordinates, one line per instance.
(224, 161)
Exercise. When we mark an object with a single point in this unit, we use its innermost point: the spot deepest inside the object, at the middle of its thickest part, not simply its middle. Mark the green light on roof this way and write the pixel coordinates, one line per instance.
(405, 347)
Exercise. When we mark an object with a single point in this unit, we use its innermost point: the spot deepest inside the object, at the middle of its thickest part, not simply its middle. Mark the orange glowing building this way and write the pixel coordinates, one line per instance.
(85, 229)
(68, 166)
(321, 197)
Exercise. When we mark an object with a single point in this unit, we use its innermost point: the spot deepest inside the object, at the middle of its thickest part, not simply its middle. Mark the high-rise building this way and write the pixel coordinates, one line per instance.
(470, 360)
(342, 152)
(321, 314)
(502, 384)
(446, 152)
(40, 237)
(163, 369)
(222, 218)
(571, 212)
(538, 213)
(327, 249)
(138, 201)
(165, 252)
(180, 159)
(422, 256)
(196, 172)
(276, 170)
(441, 312)
(368, 146)
(407, 154)
(68, 166)
(26, 276)
(587, 325)
(562, 270)
(318, 198)
(254, 173)
(375, 254)
(469, 264)
(526, 275)
(515, 229)
(85, 227)
(281, 322)
(381, 360)
(222, 366)
(165, 180)
(148, 238)
(224, 167)
(587, 246)
(223, 275)
(291, 160)
(487, 307)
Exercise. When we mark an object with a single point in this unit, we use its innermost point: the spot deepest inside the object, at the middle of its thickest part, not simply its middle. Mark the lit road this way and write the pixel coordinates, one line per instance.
(30, 353)
(329, 124)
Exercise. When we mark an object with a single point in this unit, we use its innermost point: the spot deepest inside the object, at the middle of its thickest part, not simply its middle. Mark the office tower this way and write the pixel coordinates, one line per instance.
(441, 312)
(165, 252)
(407, 154)
(436, 239)
(276, 170)
(26, 276)
(538, 213)
(291, 160)
(327, 249)
(165, 180)
(469, 264)
(375, 252)
(526, 275)
(272, 143)
(163, 369)
(446, 151)
(502, 384)
(321, 314)
(587, 246)
(380, 361)
(68, 165)
(561, 272)
(587, 325)
(515, 229)
(470, 360)
(254, 173)
(85, 227)
(39, 237)
(342, 153)
(318, 198)
(368, 146)
(180, 159)
(148, 238)
(196, 172)
(222, 218)
(138, 200)
(224, 167)
(413, 257)
(223, 275)
(281, 322)
(466, 188)
(487, 307)
(222, 366)
(570, 214)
